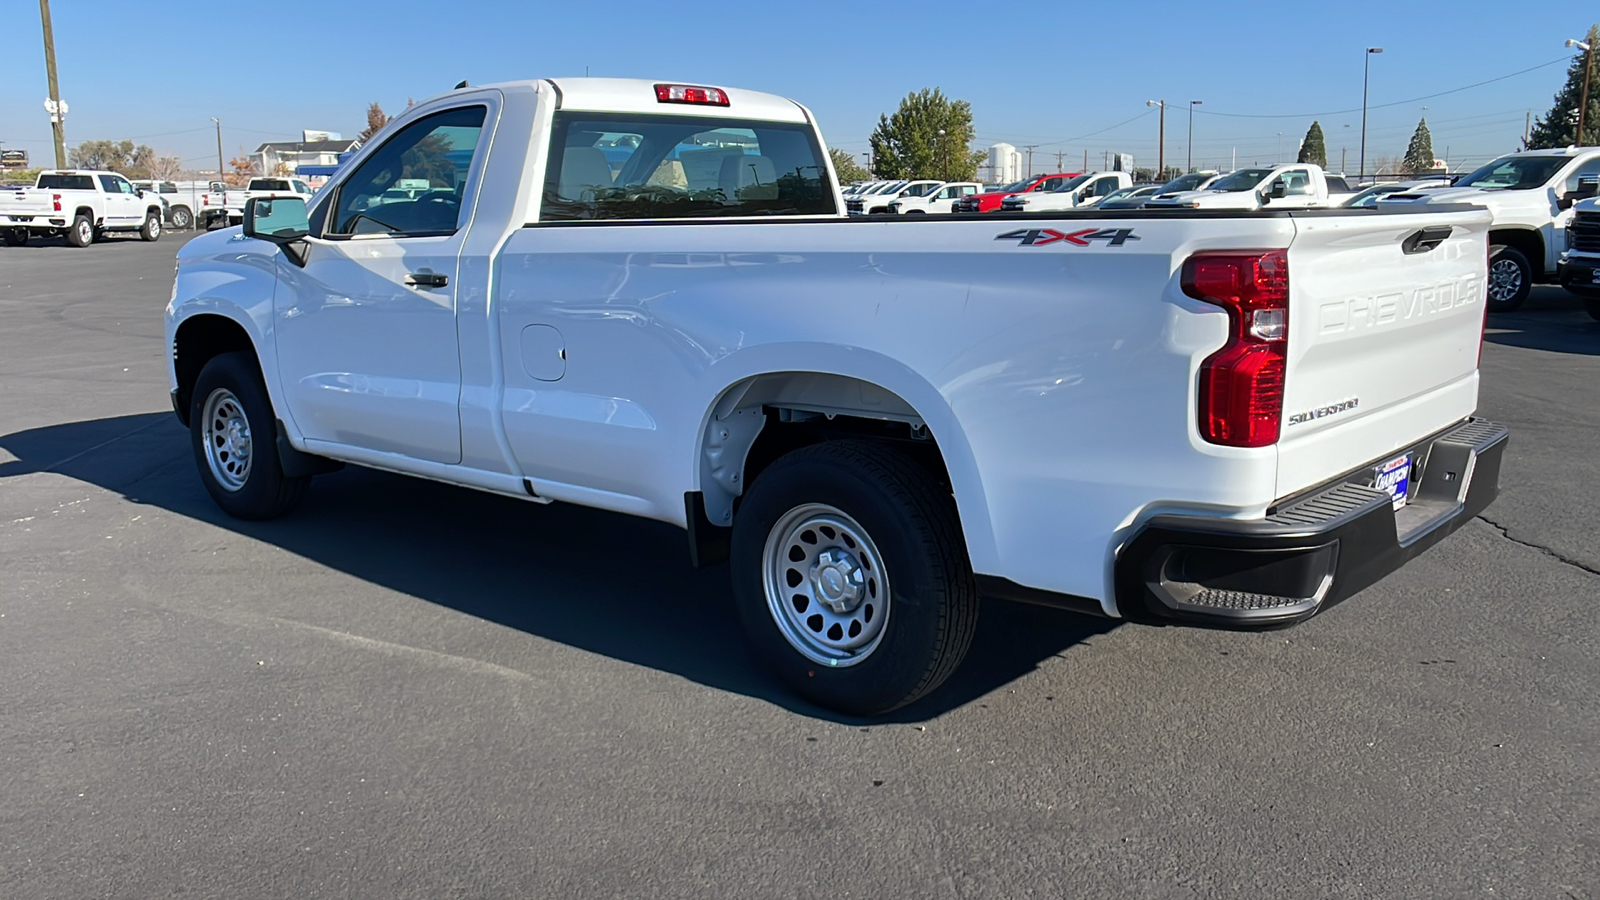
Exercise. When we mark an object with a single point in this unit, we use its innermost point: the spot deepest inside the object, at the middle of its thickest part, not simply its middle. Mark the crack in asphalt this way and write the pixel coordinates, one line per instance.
(1505, 533)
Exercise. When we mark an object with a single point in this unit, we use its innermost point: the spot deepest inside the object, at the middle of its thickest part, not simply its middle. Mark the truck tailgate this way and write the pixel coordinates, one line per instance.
(29, 202)
(1385, 325)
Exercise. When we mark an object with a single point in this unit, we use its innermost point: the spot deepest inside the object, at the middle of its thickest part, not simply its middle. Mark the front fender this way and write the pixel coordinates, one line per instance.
(886, 373)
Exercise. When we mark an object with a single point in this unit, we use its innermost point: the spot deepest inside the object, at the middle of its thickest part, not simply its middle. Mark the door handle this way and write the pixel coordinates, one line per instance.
(426, 278)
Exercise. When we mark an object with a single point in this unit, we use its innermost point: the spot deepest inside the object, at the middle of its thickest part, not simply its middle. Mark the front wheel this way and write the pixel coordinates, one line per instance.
(1510, 278)
(16, 237)
(232, 431)
(151, 229)
(851, 577)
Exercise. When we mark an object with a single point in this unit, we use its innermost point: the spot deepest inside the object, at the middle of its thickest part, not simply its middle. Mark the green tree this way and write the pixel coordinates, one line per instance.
(929, 136)
(1559, 126)
(845, 166)
(124, 157)
(1419, 153)
(375, 122)
(1314, 149)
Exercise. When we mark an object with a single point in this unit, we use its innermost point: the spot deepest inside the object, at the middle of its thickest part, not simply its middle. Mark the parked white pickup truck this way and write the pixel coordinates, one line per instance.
(1530, 196)
(266, 186)
(82, 204)
(1295, 186)
(1580, 265)
(1234, 420)
(874, 203)
(186, 203)
(1080, 191)
(940, 200)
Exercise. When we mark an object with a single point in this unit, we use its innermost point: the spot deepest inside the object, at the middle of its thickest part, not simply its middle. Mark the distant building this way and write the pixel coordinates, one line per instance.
(1004, 165)
(293, 154)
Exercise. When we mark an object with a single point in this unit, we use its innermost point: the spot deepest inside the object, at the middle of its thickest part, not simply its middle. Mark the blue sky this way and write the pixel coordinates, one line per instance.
(1031, 77)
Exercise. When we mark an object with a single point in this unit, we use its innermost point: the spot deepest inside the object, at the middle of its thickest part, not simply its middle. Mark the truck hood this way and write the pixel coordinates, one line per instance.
(212, 243)
(1207, 200)
(1477, 196)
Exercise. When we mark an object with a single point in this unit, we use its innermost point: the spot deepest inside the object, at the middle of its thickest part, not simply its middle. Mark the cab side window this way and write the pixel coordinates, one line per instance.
(108, 183)
(413, 185)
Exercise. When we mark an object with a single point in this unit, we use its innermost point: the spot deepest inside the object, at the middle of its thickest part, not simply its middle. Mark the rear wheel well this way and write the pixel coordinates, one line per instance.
(85, 211)
(198, 341)
(1529, 243)
(759, 420)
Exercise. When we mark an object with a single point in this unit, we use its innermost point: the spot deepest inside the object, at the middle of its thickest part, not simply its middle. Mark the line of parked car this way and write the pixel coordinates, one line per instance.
(1546, 220)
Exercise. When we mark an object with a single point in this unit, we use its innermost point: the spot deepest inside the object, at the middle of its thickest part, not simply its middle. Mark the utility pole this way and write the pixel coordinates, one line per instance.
(1279, 160)
(1105, 160)
(1192, 104)
(1527, 128)
(1029, 148)
(220, 176)
(1060, 155)
(1085, 160)
(1366, 70)
(58, 110)
(1161, 139)
(1341, 160)
(1583, 104)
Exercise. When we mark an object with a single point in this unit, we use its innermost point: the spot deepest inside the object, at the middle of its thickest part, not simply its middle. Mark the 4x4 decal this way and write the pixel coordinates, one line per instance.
(1039, 237)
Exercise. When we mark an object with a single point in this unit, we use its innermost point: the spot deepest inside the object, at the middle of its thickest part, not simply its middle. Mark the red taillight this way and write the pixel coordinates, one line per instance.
(1241, 385)
(688, 93)
(56, 200)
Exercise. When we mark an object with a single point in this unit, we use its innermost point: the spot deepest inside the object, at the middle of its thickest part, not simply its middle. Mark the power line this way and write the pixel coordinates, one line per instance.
(1340, 112)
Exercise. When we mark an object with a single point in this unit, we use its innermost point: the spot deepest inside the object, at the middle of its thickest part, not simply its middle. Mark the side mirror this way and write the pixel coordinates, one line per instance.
(1588, 186)
(1279, 190)
(281, 220)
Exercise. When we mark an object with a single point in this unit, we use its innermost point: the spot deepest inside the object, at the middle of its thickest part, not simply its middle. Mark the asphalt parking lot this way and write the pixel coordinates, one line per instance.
(410, 690)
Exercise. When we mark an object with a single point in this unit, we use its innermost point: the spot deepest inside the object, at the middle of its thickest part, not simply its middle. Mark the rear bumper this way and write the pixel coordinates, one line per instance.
(1314, 550)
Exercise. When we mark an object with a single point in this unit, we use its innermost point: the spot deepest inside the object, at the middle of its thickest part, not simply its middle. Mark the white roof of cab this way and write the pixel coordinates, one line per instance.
(636, 95)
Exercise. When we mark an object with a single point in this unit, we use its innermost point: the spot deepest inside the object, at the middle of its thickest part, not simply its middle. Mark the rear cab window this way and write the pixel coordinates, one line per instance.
(638, 166)
(66, 182)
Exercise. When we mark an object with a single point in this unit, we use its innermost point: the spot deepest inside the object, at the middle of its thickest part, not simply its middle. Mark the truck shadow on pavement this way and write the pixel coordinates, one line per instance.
(606, 583)
(1552, 320)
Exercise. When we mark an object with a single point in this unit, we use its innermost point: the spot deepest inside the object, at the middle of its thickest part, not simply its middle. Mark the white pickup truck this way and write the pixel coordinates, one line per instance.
(186, 203)
(1580, 265)
(1078, 192)
(1530, 195)
(265, 186)
(1226, 419)
(82, 204)
(874, 203)
(940, 200)
(1295, 186)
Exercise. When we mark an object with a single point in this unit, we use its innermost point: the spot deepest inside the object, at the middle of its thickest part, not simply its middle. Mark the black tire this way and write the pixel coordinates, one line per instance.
(911, 521)
(264, 492)
(1515, 279)
(16, 237)
(1591, 304)
(151, 229)
(182, 218)
(82, 233)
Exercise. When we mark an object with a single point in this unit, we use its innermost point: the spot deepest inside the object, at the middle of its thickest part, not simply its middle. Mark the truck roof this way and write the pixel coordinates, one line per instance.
(637, 95)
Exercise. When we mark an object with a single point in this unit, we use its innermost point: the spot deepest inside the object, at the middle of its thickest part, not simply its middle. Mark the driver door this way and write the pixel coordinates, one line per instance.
(366, 329)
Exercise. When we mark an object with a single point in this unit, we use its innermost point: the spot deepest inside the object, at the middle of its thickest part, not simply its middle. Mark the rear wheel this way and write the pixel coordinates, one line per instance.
(851, 577)
(231, 428)
(151, 229)
(16, 237)
(82, 232)
(1510, 278)
(182, 218)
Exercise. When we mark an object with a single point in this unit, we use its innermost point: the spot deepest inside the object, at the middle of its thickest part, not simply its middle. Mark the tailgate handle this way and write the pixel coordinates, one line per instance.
(1424, 239)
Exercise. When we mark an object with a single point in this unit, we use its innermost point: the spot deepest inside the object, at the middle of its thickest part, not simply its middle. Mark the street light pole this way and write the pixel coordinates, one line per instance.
(944, 158)
(1189, 167)
(57, 109)
(1583, 104)
(1161, 139)
(1366, 69)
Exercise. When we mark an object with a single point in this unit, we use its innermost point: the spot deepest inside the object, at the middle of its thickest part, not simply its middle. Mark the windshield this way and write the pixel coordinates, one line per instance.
(890, 188)
(1071, 184)
(1369, 197)
(1189, 182)
(1515, 173)
(922, 190)
(1242, 180)
(1011, 188)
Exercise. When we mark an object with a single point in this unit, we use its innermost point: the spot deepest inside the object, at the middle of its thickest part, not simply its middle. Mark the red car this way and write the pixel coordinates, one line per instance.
(989, 201)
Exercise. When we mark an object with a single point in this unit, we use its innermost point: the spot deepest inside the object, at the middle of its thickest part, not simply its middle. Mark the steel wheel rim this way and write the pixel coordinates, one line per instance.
(826, 585)
(181, 219)
(1505, 280)
(225, 431)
